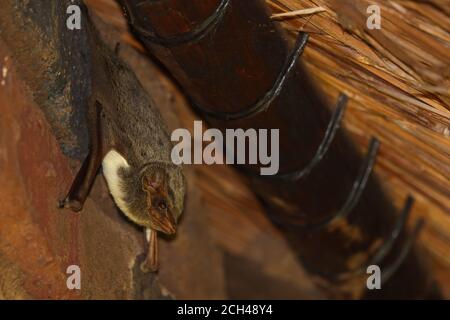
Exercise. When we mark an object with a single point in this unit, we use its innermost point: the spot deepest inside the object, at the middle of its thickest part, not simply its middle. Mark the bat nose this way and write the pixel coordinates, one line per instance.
(166, 224)
(171, 226)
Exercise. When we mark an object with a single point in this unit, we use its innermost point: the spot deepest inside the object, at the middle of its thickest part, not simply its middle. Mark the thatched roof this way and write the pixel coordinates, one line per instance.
(398, 79)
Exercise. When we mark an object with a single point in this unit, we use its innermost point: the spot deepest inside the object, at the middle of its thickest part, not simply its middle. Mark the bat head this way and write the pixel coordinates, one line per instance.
(151, 196)
(164, 188)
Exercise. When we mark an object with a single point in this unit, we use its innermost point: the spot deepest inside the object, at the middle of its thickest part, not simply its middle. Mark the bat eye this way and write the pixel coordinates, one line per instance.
(162, 205)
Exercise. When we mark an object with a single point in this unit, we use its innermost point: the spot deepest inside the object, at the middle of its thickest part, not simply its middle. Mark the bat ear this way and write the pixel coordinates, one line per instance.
(153, 181)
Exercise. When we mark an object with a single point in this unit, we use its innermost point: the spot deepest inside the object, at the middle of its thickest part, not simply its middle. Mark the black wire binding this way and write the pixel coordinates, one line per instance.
(382, 252)
(395, 234)
(263, 103)
(387, 246)
(392, 269)
(355, 192)
(196, 34)
(330, 133)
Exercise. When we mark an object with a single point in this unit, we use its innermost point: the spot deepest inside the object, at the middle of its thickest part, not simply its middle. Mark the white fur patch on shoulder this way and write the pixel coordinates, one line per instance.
(112, 163)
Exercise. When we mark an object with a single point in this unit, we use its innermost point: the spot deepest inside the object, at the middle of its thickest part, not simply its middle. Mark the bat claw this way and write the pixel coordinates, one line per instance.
(71, 204)
(147, 267)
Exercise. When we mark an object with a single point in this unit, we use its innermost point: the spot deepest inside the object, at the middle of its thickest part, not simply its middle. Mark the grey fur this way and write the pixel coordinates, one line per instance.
(133, 126)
